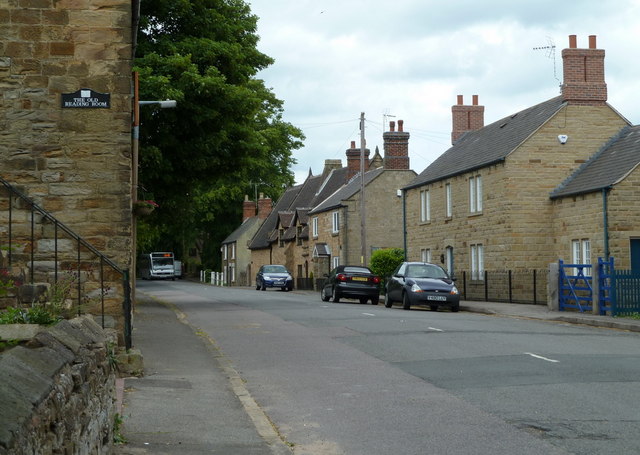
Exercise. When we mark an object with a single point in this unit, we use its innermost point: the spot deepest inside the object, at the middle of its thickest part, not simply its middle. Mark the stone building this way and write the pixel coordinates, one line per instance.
(65, 116)
(317, 224)
(236, 257)
(555, 180)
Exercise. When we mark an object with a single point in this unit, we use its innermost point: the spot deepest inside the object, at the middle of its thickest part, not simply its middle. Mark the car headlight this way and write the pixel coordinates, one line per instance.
(416, 288)
(454, 291)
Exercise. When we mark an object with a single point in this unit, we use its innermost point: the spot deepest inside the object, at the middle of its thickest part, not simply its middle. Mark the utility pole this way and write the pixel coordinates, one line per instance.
(363, 230)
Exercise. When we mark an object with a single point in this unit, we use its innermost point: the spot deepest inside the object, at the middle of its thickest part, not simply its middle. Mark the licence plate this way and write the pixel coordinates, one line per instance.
(440, 298)
(359, 278)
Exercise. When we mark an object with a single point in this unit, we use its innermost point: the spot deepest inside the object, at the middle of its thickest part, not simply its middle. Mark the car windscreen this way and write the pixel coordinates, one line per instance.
(275, 269)
(425, 271)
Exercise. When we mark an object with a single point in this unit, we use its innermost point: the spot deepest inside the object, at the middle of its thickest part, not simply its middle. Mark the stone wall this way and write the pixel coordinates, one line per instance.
(75, 163)
(57, 392)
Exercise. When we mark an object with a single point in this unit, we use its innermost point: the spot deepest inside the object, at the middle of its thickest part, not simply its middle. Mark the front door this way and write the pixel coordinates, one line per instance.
(635, 255)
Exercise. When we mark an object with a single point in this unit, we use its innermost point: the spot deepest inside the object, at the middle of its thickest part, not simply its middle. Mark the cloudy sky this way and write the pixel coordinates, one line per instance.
(409, 59)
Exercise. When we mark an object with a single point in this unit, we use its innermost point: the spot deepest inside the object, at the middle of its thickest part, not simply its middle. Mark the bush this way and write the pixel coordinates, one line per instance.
(384, 262)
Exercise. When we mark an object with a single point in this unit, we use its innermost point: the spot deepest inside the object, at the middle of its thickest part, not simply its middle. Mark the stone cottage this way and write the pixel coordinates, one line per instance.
(555, 180)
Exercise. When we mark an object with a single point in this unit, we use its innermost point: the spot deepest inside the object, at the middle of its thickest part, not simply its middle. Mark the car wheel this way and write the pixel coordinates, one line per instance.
(323, 296)
(375, 300)
(257, 286)
(433, 307)
(387, 300)
(363, 300)
(335, 295)
(405, 301)
(264, 287)
(455, 308)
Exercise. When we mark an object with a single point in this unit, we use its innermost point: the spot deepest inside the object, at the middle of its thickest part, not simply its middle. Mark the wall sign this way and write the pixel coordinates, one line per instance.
(86, 99)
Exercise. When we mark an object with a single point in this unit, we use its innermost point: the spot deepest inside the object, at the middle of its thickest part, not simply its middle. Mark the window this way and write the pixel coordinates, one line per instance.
(232, 272)
(581, 254)
(475, 194)
(449, 207)
(477, 262)
(425, 255)
(335, 261)
(314, 227)
(425, 206)
(281, 237)
(233, 251)
(299, 235)
(335, 223)
(224, 252)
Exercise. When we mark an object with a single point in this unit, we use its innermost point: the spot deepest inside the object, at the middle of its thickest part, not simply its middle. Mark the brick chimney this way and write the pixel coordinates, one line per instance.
(248, 208)
(466, 118)
(264, 207)
(583, 74)
(396, 147)
(353, 160)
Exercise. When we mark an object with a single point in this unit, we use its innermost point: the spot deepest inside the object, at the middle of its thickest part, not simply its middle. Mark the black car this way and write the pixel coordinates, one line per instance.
(351, 282)
(274, 276)
(422, 283)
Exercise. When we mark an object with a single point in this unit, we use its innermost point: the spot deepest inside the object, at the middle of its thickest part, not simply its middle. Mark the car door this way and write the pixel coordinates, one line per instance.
(396, 282)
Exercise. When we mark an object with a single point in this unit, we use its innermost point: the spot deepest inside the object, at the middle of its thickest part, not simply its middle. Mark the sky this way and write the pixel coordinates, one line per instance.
(410, 59)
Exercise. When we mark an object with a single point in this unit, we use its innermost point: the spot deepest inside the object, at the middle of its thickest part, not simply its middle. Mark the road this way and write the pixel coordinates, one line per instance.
(350, 379)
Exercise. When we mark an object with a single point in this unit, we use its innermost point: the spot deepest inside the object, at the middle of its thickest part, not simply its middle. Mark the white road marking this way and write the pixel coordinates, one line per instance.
(435, 330)
(541, 358)
(368, 314)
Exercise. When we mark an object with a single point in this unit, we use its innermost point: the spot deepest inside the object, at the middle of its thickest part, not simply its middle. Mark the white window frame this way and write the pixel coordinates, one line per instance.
(224, 252)
(448, 200)
(232, 272)
(314, 227)
(581, 254)
(425, 255)
(475, 194)
(233, 251)
(477, 262)
(335, 261)
(335, 222)
(425, 206)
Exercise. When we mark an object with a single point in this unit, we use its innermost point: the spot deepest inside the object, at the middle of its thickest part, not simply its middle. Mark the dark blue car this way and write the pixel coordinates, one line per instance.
(274, 276)
(422, 283)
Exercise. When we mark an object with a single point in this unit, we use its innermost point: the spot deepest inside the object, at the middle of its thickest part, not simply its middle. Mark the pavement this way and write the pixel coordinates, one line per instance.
(192, 401)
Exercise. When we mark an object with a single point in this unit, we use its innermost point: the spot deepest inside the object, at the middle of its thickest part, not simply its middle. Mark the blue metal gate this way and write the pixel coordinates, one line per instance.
(574, 287)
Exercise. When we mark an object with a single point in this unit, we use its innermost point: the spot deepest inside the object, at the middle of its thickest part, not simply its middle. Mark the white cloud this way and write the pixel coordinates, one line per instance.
(411, 58)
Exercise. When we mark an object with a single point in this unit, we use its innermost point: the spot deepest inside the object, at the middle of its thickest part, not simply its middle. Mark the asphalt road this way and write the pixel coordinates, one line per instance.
(350, 379)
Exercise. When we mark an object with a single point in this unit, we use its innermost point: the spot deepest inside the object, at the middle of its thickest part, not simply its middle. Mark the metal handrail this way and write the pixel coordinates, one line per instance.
(81, 243)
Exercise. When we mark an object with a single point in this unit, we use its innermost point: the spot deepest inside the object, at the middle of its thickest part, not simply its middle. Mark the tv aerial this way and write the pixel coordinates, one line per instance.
(550, 51)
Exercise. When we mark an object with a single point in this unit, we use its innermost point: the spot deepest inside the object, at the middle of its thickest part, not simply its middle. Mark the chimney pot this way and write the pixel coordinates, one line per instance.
(592, 41)
(392, 126)
(353, 144)
(573, 41)
(460, 100)
(475, 100)
(401, 125)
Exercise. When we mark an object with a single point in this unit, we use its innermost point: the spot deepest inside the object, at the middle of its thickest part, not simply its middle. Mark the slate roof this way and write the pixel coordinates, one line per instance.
(347, 191)
(300, 197)
(244, 227)
(261, 238)
(488, 145)
(609, 166)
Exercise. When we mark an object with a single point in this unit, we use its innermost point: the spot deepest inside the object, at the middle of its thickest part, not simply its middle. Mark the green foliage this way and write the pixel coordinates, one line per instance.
(37, 314)
(118, 438)
(7, 283)
(384, 262)
(225, 139)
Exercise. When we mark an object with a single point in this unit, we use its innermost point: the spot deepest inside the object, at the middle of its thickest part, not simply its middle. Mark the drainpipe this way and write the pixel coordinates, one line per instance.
(404, 222)
(605, 221)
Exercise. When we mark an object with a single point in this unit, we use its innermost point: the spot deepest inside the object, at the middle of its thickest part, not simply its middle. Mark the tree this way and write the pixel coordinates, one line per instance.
(384, 262)
(226, 135)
